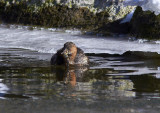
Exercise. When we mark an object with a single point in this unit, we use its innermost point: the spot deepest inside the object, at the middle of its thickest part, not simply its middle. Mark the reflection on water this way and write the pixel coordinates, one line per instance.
(114, 80)
(3, 89)
(25, 77)
(93, 84)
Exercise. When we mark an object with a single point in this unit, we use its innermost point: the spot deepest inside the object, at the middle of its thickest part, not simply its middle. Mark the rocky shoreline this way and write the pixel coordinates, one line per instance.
(97, 16)
(94, 16)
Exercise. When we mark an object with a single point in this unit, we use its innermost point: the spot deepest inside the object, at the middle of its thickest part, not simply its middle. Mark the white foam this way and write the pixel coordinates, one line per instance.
(157, 42)
(51, 29)
(142, 40)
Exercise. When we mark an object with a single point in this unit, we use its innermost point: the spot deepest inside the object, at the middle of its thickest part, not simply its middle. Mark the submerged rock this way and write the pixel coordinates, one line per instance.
(141, 55)
(145, 24)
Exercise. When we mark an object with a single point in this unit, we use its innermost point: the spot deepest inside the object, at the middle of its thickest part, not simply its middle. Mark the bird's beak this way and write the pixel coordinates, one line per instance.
(65, 55)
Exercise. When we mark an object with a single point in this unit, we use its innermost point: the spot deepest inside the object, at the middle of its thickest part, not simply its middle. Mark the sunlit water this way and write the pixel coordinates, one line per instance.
(116, 81)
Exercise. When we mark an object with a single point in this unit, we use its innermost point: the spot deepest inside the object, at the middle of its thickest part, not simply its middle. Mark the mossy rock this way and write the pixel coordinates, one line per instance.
(52, 16)
(145, 24)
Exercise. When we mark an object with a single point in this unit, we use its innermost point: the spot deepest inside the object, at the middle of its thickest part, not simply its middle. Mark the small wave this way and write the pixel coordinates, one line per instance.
(142, 40)
(73, 31)
(52, 29)
(157, 42)
(20, 27)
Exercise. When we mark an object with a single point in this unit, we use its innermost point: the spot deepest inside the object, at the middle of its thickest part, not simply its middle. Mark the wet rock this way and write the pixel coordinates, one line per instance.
(145, 24)
(142, 55)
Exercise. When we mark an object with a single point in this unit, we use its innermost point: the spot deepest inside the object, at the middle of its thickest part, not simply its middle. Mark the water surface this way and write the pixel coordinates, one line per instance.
(116, 81)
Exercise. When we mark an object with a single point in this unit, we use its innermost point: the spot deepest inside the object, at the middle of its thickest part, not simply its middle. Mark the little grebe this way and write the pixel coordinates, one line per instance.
(69, 55)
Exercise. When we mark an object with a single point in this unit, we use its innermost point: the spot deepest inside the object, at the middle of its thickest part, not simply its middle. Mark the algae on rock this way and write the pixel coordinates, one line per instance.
(51, 16)
(115, 8)
(81, 14)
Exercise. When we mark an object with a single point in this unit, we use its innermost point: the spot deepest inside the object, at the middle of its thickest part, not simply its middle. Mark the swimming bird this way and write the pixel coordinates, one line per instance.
(69, 55)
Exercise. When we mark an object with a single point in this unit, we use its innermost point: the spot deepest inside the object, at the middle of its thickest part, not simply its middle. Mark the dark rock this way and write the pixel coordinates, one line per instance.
(114, 28)
(52, 16)
(141, 54)
(145, 24)
(49, 14)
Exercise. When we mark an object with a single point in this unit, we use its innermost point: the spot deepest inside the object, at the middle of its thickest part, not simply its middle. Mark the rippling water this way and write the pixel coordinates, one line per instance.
(117, 80)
